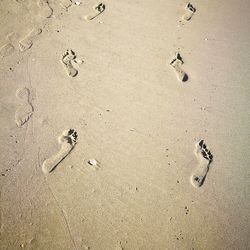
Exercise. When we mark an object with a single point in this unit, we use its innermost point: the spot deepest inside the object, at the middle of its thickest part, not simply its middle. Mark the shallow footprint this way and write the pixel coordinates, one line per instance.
(25, 111)
(68, 57)
(27, 41)
(7, 49)
(176, 64)
(68, 139)
(65, 3)
(205, 158)
(98, 9)
(190, 10)
(45, 9)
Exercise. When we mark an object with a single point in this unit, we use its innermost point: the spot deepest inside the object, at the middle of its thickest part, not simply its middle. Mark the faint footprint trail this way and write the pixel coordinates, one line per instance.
(27, 42)
(68, 139)
(45, 9)
(25, 111)
(190, 10)
(67, 58)
(98, 9)
(205, 158)
(176, 64)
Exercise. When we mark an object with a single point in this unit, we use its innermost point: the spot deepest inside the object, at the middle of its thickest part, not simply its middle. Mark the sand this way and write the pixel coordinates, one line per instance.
(152, 154)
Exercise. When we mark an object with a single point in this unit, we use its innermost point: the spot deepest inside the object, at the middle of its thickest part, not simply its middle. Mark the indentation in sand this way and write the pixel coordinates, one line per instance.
(7, 49)
(98, 9)
(25, 111)
(27, 41)
(67, 59)
(190, 10)
(176, 64)
(45, 9)
(205, 158)
(67, 140)
(65, 3)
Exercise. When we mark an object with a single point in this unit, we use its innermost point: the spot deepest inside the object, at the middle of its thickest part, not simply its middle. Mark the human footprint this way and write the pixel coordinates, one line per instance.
(190, 10)
(67, 58)
(98, 9)
(45, 9)
(25, 111)
(27, 41)
(176, 64)
(68, 139)
(205, 158)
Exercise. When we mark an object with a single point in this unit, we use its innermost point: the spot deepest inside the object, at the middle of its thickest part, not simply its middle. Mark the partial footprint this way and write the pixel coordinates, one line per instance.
(98, 9)
(7, 49)
(67, 58)
(205, 158)
(25, 111)
(27, 41)
(66, 3)
(176, 64)
(45, 9)
(68, 139)
(190, 10)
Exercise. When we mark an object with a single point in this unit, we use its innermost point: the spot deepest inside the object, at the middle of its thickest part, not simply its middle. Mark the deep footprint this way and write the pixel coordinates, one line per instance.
(25, 111)
(205, 158)
(67, 58)
(176, 64)
(45, 9)
(98, 9)
(27, 41)
(68, 139)
(190, 10)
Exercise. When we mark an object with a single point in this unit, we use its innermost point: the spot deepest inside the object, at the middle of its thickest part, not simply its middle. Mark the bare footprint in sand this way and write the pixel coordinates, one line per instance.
(25, 111)
(7, 49)
(176, 64)
(66, 3)
(205, 158)
(45, 9)
(68, 139)
(27, 41)
(190, 10)
(98, 9)
(67, 58)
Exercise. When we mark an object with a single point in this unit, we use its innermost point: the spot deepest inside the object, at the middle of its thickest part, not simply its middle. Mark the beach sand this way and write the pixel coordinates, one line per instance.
(124, 125)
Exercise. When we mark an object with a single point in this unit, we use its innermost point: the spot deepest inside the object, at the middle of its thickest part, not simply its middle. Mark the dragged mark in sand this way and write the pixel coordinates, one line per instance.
(205, 158)
(98, 9)
(66, 3)
(27, 41)
(190, 10)
(176, 64)
(45, 9)
(68, 139)
(68, 57)
(25, 111)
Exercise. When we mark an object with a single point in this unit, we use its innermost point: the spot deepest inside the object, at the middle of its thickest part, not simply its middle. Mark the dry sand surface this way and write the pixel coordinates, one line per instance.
(124, 124)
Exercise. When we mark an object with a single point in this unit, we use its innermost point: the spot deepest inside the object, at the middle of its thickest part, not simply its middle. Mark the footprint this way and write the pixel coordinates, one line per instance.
(25, 111)
(176, 64)
(7, 49)
(205, 157)
(27, 41)
(98, 9)
(45, 9)
(190, 10)
(68, 139)
(68, 57)
(66, 3)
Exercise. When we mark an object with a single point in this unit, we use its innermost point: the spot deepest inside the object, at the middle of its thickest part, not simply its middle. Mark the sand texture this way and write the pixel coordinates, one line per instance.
(125, 125)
